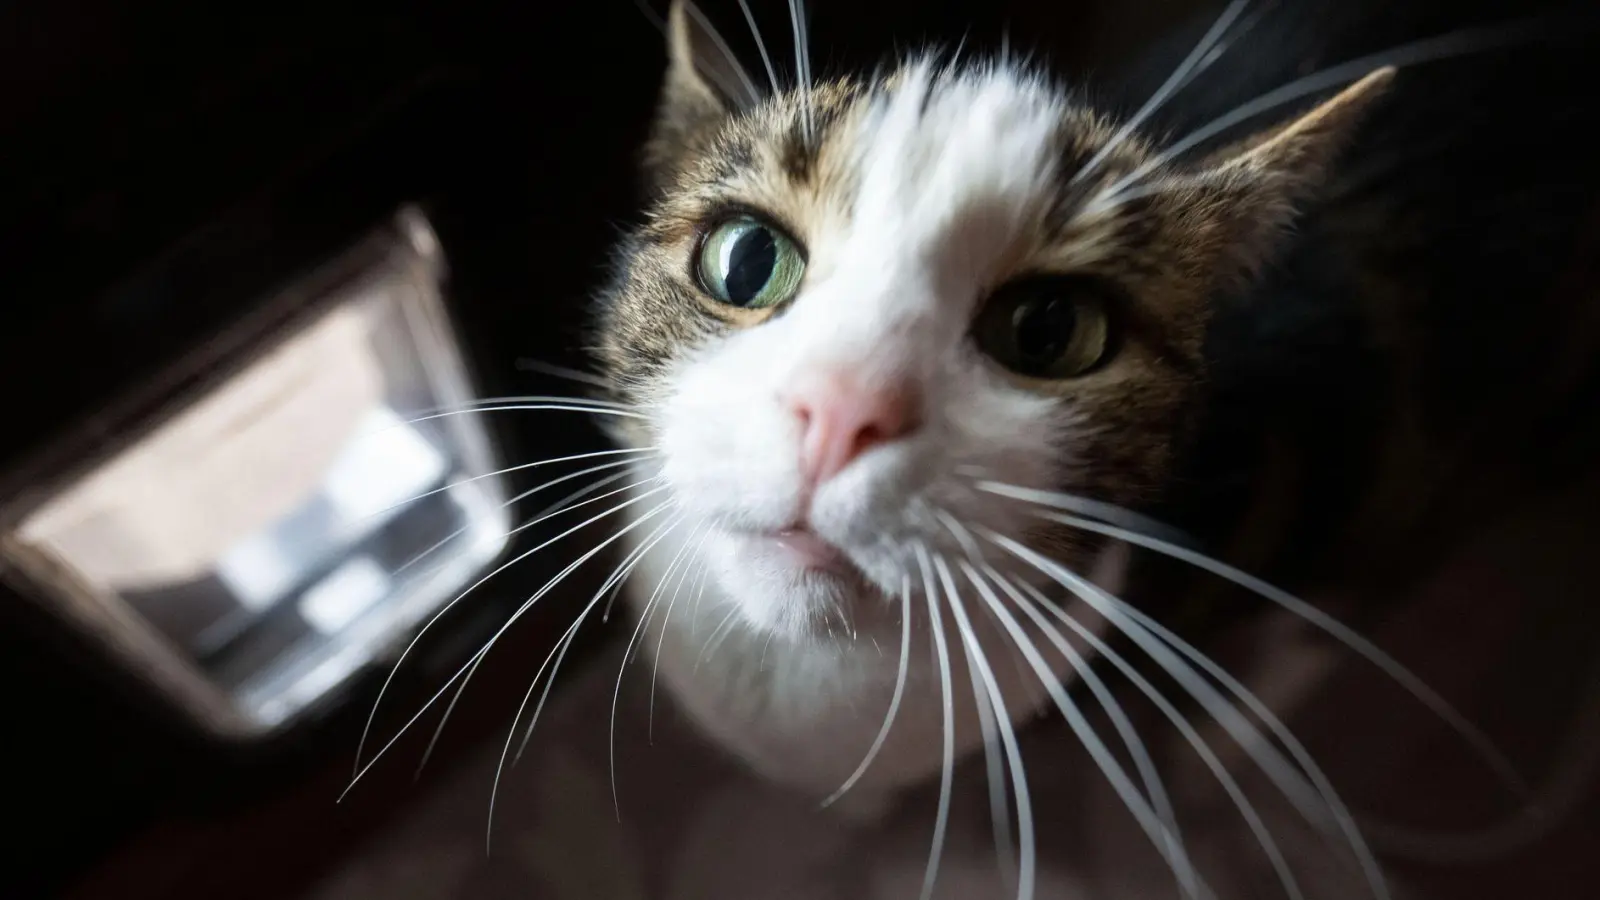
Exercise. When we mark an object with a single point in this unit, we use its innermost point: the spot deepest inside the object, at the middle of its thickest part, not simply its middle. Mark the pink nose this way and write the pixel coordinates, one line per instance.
(842, 418)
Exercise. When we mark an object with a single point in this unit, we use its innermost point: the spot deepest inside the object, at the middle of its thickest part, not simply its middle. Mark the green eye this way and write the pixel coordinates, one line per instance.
(747, 263)
(1055, 326)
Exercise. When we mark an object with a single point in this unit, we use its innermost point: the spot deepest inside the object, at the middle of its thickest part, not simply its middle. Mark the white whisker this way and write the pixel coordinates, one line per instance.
(577, 375)
(974, 553)
(1230, 786)
(482, 651)
(1392, 667)
(1165, 843)
(993, 761)
(1160, 802)
(1094, 509)
(962, 534)
(488, 832)
(947, 696)
(1026, 856)
(507, 471)
(761, 45)
(443, 610)
(616, 592)
(618, 578)
(699, 596)
(563, 504)
(752, 94)
(1566, 788)
(461, 689)
(802, 67)
(762, 665)
(894, 699)
(1445, 46)
(1338, 811)
(723, 627)
(559, 652)
(479, 403)
(666, 620)
(1197, 59)
(1311, 802)
(569, 406)
(645, 612)
(540, 516)
(1167, 185)
(805, 41)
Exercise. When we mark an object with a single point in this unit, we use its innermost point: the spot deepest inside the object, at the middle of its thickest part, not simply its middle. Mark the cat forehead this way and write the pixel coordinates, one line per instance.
(918, 150)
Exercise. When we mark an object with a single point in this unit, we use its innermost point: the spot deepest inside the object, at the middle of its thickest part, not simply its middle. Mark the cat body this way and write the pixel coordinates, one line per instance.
(874, 330)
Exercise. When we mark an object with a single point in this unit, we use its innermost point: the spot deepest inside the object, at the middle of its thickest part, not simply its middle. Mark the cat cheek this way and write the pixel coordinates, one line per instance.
(728, 451)
(715, 474)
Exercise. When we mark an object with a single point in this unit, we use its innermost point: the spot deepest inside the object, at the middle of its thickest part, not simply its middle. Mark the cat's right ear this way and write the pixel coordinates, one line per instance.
(704, 85)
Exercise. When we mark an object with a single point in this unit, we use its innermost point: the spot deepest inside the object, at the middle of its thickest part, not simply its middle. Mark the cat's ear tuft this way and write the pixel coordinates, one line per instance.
(1264, 180)
(704, 85)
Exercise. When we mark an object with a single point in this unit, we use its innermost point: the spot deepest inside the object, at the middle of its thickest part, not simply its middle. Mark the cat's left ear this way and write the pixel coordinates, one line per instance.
(1260, 183)
(704, 85)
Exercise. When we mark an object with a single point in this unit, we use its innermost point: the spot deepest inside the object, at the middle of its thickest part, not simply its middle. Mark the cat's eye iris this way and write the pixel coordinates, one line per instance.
(747, 263)
(1046, 326)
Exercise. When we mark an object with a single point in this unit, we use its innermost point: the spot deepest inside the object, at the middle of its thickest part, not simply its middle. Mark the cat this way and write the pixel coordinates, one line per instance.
(915, 360)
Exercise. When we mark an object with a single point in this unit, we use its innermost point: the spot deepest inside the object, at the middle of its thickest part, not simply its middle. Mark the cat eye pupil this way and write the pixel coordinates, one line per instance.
(1046, 326)
(1043, 329)
(747, 263)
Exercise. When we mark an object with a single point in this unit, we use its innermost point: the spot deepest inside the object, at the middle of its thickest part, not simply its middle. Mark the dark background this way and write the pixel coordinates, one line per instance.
(163, 165)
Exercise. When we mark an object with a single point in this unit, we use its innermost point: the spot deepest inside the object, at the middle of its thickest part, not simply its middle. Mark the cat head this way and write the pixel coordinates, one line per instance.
(850, 305)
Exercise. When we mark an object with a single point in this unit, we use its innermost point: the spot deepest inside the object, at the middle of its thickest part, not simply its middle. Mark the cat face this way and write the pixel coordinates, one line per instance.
(850, 306)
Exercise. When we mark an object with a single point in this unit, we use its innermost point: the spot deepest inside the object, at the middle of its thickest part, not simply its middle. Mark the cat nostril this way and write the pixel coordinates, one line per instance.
(841, 419)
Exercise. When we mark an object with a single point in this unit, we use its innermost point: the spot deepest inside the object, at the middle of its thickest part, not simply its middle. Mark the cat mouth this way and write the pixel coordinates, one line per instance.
(806, 550)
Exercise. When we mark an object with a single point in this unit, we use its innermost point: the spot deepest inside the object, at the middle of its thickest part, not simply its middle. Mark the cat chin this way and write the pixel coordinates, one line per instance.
(767, 668)
(786, 587)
